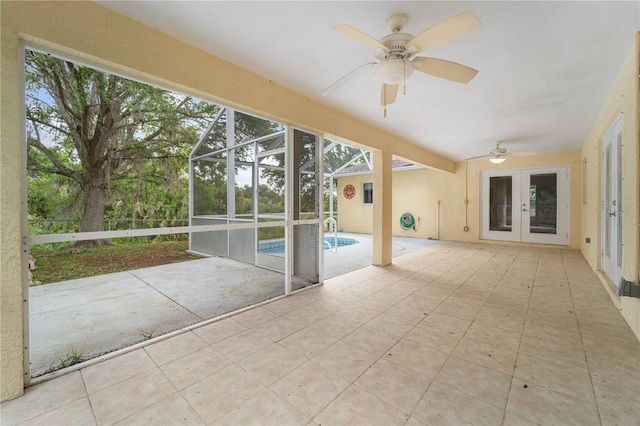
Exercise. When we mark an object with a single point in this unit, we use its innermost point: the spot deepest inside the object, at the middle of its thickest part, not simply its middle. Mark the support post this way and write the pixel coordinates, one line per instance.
(382, 208)
(231, 166)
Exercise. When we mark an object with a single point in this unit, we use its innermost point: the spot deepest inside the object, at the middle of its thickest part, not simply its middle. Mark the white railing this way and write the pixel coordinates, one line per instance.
(332, 222)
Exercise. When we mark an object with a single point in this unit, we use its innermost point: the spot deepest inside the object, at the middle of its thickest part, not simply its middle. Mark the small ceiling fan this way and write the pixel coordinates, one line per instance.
(395, 53)
(497, 155)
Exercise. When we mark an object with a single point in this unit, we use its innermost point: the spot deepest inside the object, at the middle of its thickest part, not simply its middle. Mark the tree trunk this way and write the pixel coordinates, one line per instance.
(93, 192)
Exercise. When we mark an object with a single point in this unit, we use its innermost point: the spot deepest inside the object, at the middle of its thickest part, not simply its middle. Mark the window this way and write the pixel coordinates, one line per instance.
(367, 193)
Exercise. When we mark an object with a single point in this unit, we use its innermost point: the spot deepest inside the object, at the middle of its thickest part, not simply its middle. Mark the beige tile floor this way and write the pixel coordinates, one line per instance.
(451, 334)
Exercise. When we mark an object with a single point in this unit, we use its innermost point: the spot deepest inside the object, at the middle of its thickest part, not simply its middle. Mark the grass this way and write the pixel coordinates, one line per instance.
(64, 264)
(147, 335)
(73, 357)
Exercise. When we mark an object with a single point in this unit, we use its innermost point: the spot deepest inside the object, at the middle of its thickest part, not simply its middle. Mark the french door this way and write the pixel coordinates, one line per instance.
(528, 205)
(611, 206)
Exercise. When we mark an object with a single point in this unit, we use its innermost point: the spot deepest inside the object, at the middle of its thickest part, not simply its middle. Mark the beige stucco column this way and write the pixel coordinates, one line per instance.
(11, 265)
(382, 207)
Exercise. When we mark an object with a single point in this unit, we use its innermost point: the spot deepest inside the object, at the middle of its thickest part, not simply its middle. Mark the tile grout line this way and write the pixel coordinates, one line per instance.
(584, 350)
(84, 384)
(473, 321)
(353, 382)
(179, 391)
(462, 337)
(513, 376)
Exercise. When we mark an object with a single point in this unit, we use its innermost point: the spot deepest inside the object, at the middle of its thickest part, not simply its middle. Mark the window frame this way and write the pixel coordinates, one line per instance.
(365, 192)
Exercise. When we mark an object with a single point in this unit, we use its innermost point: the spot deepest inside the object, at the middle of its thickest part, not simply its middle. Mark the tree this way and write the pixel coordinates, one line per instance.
(339, 155)
(95, 128)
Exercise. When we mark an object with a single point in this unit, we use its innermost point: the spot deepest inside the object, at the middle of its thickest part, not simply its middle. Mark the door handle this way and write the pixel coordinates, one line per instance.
(525, 210)
(612, 214)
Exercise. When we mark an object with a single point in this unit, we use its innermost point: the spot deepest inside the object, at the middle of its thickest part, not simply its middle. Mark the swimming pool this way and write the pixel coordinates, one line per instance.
(277, 247)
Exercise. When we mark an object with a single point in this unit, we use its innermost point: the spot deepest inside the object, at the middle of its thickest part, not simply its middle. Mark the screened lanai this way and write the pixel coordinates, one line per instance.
(259, 195)
(262, 214)
(254, 214)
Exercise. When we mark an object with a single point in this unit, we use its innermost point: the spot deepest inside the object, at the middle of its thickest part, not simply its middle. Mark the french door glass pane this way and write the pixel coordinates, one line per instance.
(543, 203)
(618, 208)
(607, 201)
(500, 200)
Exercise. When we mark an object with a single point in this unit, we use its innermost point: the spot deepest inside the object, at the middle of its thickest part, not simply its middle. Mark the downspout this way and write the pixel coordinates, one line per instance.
(438, 220)
(466, 197)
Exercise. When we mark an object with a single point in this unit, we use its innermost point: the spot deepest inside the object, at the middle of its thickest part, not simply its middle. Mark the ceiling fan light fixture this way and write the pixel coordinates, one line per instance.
(394, 71)
(497, 160)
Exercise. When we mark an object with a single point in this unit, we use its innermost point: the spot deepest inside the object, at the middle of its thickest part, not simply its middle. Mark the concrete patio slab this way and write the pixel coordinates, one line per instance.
(92, 316)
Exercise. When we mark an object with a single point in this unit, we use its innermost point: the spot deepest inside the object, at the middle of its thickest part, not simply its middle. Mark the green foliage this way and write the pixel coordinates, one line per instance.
(97, 136)
(147, 335)
(543, 201)
(270, 233)
(72, 357)
(270, 200)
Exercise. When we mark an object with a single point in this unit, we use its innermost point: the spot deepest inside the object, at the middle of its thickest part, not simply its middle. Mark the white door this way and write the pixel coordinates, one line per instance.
(545, 205)
(528, 205)
(501, 214)
(612, 204)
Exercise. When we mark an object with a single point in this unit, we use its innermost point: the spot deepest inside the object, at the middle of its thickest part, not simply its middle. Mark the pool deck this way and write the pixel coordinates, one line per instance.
(358, 256)
(96, 315)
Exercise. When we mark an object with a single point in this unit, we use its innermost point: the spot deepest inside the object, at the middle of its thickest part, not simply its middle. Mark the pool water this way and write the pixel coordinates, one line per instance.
(277, 247)
(329, 242)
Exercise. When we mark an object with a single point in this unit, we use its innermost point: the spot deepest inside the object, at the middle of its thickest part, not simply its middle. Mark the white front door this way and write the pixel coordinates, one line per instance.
(611, 206)
(528, 205)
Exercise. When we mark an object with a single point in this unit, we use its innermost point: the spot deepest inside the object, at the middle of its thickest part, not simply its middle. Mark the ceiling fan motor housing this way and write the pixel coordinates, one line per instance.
(498, 151)
(396, 42)
(394, 68)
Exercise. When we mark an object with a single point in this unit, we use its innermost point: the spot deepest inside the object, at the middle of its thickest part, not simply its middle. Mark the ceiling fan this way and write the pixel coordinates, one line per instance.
(497, 155)
(395, 53)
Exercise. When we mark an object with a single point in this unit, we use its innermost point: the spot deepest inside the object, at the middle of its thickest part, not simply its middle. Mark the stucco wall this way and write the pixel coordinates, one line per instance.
(622, 102)
(11, 190)
(565, 158)
(362, 221)
(418, 192)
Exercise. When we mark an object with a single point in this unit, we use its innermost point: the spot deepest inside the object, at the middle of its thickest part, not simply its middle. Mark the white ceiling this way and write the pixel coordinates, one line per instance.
(546, 68)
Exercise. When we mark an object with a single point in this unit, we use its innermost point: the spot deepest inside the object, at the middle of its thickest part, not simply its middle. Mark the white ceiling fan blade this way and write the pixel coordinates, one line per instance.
(444, 32)
(388, 94)
(478, 157)
(444, 69)
(359, 36)
(341, 81)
